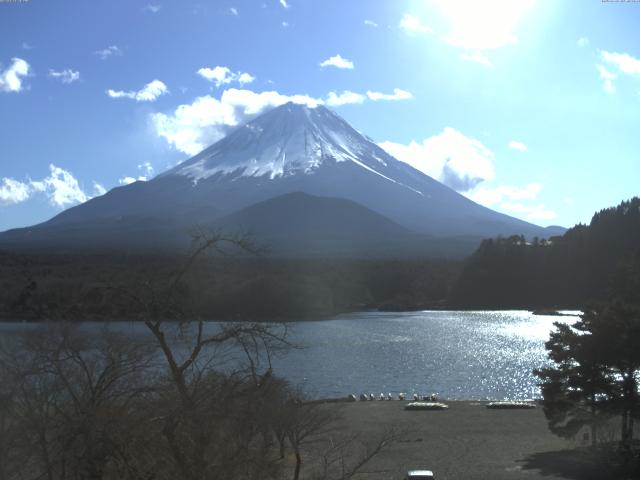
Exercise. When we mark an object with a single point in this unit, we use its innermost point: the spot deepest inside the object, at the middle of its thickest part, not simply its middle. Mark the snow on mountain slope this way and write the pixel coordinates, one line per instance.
(292, 148)
(290, 140)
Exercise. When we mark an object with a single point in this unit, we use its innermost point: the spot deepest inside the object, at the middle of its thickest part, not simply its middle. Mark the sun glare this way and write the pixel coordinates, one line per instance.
(483, 24)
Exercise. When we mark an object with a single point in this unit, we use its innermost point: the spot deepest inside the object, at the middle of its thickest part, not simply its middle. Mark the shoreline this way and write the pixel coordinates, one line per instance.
(321, 318)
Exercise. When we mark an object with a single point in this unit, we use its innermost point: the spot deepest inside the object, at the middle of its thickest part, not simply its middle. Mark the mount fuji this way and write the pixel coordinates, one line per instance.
(300, 178)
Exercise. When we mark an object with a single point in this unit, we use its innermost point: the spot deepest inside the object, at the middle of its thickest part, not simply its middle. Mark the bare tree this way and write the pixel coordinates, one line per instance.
(72, 393)
(347, 455)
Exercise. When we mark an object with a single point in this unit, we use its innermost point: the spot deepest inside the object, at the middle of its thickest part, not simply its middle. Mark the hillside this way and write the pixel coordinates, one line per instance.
(567, 271)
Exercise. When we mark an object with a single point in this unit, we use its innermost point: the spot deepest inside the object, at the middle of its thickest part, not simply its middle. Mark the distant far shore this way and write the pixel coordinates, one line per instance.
(545, 312)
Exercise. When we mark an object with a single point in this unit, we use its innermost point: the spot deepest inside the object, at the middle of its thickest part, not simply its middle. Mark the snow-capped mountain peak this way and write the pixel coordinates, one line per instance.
(289, 140)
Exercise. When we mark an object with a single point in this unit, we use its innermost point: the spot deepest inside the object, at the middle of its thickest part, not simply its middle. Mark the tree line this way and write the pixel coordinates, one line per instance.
(593, 383)
(87, 287)
(186, 400)
(564, 271)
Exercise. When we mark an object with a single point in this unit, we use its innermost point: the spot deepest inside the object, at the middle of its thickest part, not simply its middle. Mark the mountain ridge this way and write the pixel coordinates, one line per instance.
(292, 148)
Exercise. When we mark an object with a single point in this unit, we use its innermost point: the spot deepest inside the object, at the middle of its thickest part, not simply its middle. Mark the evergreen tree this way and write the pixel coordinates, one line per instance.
(597, 365)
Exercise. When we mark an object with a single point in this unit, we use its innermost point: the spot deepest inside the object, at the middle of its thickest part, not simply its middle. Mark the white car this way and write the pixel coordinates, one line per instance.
(420, 475)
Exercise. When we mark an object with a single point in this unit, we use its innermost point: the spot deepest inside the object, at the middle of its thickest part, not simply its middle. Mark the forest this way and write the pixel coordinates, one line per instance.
(568, 271)
(92, 287)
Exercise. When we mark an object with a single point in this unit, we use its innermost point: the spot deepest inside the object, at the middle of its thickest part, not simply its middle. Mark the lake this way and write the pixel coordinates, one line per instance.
(459, 355)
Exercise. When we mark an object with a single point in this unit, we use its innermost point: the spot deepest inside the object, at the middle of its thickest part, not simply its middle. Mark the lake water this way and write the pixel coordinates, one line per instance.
(459, 355)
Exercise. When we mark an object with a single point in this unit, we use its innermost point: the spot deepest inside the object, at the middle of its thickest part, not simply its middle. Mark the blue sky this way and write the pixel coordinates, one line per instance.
(529, 107)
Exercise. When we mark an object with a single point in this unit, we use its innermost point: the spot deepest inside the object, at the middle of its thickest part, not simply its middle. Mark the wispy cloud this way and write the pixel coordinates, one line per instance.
(65, 76)
(477, 57)
(412, 24)
(398, 94)
(98, 189)
(607, 78)
(149, 93)
(493, 196)
(145, 173)
(11, 78)
(108, 52)
(337, 61)
(234, 11)
(284, 4)
(223, 76)
(583, 42)
(26, 46)
(515, 145)
(532, 212)
(151, 8)
(371, 23)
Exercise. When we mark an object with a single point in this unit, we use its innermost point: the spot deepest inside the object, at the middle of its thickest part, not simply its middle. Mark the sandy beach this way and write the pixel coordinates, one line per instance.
(469, 441)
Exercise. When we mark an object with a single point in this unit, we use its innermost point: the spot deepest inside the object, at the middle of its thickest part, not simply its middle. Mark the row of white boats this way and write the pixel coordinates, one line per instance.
(401, 396)
(430, 402)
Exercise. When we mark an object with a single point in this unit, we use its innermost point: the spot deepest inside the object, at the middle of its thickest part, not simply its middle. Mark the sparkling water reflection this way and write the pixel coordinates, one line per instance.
(459, 355)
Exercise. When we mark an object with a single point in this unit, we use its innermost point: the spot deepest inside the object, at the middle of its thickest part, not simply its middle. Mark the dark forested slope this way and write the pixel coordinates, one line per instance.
(566, 271)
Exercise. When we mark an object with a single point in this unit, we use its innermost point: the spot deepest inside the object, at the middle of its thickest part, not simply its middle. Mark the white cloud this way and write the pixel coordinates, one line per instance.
(513, 200)
(477, 57)
(62, 188)
(146, 174)
(458, 161)
(223, 75)
(623, 61)
(504, 193)
(149, 93)
(583, 42)
(219, 75)
(245, 78)
(11, 78)
(147, 169)
(515, 145)
(344, 98)
(192, 127)
(285, 24)
(338, 62)
(398, 94)
(108, 52)
(13, 191)
(65, 76)
(130, 180)
(234, 11)
(152, 8)
(413, 24)
(98, 189)
(370, 23)
(284, 4)
(607, 78)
